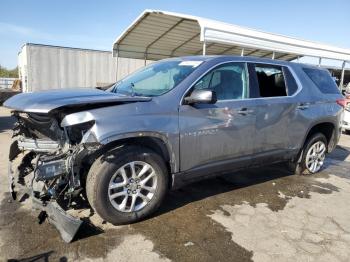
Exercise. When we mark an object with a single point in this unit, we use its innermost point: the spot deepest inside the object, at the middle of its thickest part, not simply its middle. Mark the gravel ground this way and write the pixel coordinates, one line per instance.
(264, 214)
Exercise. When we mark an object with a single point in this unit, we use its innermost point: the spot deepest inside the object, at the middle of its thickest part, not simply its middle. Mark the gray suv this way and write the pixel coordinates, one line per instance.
(170, 123)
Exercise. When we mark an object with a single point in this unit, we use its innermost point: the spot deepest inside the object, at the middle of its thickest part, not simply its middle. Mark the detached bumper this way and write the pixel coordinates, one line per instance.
(66, 224)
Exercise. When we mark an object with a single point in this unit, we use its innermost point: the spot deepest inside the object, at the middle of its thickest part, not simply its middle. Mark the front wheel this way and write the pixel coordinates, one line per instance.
(312, 157)
(127, 185)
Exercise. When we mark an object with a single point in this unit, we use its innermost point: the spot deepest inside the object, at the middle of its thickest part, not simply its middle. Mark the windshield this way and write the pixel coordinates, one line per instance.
(155, 79)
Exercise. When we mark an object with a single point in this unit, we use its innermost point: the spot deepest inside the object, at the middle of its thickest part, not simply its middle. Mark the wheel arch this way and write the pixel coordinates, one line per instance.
(327, 128)
(154, 141)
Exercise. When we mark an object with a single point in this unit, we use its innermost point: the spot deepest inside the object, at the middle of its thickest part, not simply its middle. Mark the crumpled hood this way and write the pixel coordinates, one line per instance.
(46, 101)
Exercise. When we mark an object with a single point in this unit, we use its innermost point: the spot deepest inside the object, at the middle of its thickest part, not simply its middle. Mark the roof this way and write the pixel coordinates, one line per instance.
(236, 58)
(65, 47)
(156, 35)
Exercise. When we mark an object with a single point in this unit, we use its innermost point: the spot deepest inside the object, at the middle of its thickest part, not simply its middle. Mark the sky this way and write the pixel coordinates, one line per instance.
(96, 24)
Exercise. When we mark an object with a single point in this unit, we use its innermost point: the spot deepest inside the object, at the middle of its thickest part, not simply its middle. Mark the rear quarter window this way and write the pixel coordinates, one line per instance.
(323, 80)
(292, 86)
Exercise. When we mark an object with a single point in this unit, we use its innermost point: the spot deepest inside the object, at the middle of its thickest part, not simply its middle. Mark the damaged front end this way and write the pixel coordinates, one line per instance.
(46, 163)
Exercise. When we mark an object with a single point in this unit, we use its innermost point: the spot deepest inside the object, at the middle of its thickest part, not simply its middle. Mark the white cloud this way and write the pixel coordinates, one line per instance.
(22, 31)
(33, 34)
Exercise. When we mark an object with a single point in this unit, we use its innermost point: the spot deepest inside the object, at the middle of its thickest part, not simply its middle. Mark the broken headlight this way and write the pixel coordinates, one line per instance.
(77, 132)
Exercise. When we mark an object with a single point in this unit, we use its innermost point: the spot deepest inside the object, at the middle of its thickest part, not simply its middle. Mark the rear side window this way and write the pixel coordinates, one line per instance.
(271, 80)
(323, 80)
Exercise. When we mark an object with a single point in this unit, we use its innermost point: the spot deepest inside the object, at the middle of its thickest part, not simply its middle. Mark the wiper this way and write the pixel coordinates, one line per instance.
(132, 85)
(133, 93)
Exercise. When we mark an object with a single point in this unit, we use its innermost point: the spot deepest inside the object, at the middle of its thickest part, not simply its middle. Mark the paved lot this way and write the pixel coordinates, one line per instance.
(255, 215)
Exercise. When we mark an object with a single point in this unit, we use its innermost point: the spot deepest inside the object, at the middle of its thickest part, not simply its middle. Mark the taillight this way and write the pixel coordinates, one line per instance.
(342, 102)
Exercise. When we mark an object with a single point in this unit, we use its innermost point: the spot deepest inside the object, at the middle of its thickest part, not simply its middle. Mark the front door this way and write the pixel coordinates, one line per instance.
(215, 135)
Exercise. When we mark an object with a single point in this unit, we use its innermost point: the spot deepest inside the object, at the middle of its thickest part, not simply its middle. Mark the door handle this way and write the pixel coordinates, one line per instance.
(303, 106)
(244, 111)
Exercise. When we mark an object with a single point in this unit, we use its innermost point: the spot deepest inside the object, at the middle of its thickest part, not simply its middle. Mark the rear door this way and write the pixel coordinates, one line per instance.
(275, 109)
(213, 135)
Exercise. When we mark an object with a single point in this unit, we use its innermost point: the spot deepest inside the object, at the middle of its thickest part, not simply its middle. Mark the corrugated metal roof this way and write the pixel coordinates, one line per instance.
(158, 34)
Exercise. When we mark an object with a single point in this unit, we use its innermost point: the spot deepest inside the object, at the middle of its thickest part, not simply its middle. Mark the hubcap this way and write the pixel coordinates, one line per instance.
(315, 156)
(132, 187)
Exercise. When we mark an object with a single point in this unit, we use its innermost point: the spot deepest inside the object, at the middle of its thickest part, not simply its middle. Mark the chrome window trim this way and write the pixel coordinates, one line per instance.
(245, 99)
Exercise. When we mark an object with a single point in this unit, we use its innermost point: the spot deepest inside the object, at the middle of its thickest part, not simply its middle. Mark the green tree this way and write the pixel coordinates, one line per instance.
(4, 72)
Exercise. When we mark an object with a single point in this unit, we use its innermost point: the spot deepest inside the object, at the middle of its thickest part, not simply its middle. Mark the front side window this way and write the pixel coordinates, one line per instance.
(271, 80)
(155, 79)
(229, 81)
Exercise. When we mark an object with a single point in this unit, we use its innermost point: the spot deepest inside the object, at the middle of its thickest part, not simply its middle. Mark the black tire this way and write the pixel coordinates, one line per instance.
(299, 167)
(104, 168)
(347, 132)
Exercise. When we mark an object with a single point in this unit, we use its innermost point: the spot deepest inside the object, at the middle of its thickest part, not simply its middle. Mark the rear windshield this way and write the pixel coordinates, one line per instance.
(323, 80)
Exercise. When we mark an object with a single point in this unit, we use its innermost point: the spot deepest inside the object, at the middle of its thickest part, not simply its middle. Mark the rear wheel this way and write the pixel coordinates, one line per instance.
(312, 157)
(127, 185)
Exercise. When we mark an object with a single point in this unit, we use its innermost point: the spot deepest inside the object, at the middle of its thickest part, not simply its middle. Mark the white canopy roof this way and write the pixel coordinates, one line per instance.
(156, 35)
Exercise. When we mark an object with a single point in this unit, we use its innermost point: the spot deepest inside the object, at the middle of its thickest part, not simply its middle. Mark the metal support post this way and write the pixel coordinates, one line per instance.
(319, 61)
(341, 85)
(204, 47)
(117, 66)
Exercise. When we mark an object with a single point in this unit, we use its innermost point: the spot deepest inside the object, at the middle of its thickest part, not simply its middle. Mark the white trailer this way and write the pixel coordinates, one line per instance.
(43, 67)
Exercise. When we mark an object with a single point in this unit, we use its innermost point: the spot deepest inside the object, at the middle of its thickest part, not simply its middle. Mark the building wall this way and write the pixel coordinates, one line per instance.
(50, 67)
(129, 65)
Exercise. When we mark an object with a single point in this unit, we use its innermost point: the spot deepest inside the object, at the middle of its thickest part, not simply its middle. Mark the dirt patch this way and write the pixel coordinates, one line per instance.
(307, 229)
(182, 219)
(23, 237)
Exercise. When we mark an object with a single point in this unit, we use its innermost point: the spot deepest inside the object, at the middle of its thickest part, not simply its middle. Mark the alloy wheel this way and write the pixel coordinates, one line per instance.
(315, 156)
(133, 186)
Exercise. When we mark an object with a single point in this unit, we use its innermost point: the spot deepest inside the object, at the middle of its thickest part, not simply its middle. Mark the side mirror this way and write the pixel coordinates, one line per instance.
(201, 97)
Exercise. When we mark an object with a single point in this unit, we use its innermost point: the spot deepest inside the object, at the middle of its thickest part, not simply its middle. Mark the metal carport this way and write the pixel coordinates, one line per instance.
(156, 35)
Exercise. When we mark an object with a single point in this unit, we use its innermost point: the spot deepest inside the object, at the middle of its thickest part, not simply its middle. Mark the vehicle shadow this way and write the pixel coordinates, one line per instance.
(6, 123)
(87, 229)
(340, 153)
(221, 184)
(44, 257)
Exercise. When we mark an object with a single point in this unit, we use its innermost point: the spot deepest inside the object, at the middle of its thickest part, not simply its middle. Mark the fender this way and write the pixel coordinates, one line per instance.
(170, 140)
(173, 152)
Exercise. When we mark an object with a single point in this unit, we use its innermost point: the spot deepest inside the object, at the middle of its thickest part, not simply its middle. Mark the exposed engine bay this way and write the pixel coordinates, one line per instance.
(46, 162)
